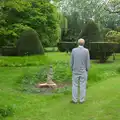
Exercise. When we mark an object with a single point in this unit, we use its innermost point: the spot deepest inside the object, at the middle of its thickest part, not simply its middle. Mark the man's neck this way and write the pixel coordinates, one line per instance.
(81, 46)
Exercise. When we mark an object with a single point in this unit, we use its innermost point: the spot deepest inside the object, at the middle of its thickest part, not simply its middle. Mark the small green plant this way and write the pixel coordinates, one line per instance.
(6, 111)
(28, 80)
(65, 90)
(118, 69)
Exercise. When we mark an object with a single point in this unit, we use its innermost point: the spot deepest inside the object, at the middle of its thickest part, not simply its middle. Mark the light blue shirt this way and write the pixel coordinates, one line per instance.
(80, 60)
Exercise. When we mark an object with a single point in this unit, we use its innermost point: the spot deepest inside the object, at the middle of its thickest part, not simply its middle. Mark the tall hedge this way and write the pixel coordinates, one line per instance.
(29, 43)
(102, 50)
(90, 33)
(66, 46)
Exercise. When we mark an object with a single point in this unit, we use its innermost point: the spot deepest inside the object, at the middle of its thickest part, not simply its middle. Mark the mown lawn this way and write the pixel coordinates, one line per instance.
(103, 93)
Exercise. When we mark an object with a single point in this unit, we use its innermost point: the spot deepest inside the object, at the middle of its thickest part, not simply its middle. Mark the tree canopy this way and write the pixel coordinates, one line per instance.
(40, 15)
(102, 11)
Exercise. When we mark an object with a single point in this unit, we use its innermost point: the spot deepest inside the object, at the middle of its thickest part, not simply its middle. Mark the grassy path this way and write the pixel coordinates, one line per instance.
(102, 101)
(102, 104)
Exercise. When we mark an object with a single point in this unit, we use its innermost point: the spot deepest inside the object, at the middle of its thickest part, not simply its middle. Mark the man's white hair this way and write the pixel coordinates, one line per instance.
(81, 41)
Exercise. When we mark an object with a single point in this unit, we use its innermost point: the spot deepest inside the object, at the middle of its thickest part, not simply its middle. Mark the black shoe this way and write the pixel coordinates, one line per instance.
(73, 102)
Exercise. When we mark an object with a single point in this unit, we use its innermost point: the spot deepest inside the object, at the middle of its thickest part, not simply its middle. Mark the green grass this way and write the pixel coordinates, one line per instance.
(51, 49)
(103, 95)
(48, 58)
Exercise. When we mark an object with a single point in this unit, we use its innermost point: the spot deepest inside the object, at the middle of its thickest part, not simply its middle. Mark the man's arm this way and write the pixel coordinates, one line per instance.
(88, 61)
(72, 60)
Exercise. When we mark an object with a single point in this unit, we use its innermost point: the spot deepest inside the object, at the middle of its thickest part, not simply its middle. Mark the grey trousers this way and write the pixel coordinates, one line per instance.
(79, 80)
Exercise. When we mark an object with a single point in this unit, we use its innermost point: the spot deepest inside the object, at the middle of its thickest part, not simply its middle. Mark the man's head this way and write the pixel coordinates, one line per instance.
(81, 42)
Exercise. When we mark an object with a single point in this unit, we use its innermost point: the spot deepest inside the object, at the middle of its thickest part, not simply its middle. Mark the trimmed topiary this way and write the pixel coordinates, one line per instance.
(98, 50)
(90, 33)
(66, 46)
(102, 50)
(8, 51)
(29, 43)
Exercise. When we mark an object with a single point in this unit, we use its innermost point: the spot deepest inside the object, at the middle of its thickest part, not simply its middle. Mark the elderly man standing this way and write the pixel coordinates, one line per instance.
(80, 63)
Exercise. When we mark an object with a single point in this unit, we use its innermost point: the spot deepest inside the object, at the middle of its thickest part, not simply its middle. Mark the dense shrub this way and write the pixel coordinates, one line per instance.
(118, 69)
(9, 36)
(66, 46)
(29, 43)
(102, 50)
(98, 50)
(90, 33)
(70, 36)
(117, 29)
(103, 46)
(113, 36)
(75, 25)
(6, 111)
(9, 51)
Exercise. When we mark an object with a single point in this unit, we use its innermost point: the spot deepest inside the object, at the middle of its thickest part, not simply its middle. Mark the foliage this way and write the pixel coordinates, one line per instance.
(9, 36)
(75, 25)
(90, 33)
(39, 15)
(117, 29)
(98, 50)
(114, 6)
(63, 25)
(29, 43)
(98, 10)
(70, 36)
(8, 51)
(103, 46)
(102, 50)
(66, 46)
(104, 31)
(6, 110)
(85, 9)
(80, 29)
(112, 36)
(78, 12)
